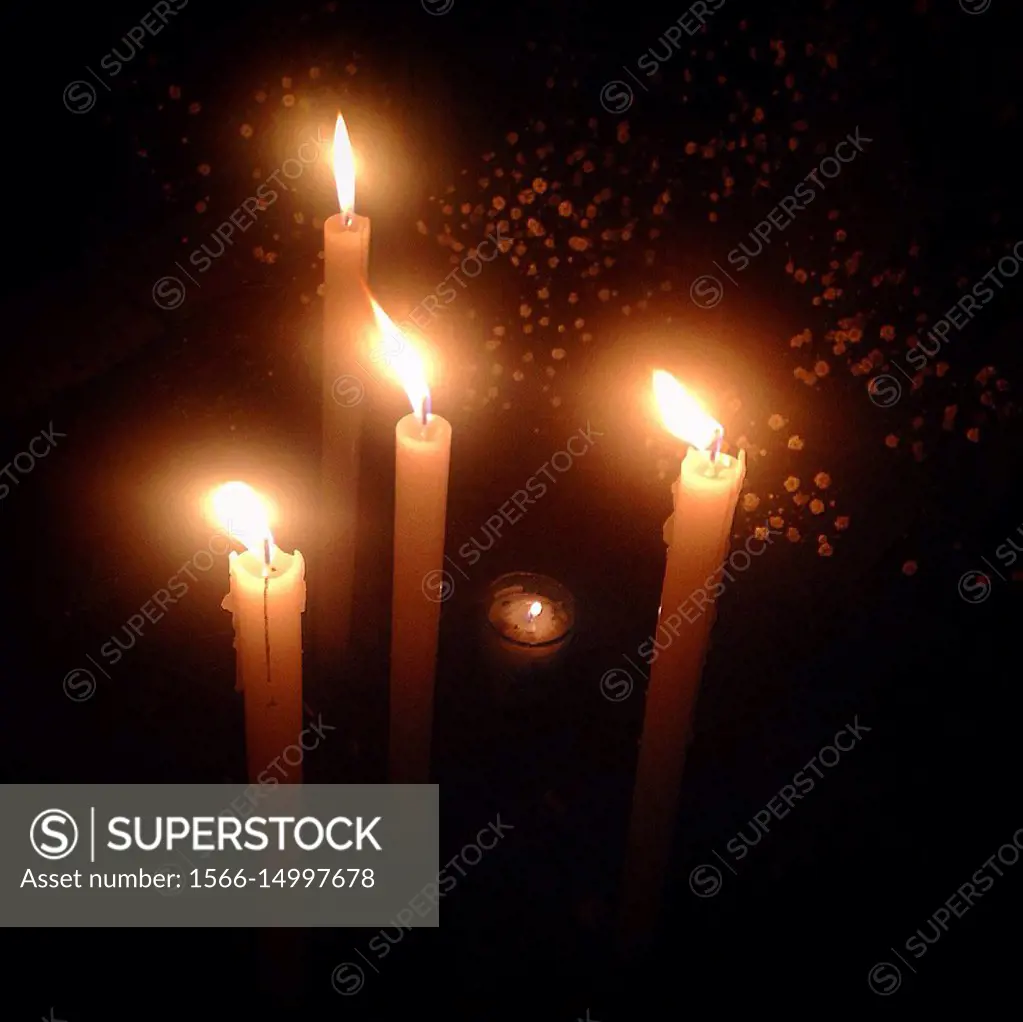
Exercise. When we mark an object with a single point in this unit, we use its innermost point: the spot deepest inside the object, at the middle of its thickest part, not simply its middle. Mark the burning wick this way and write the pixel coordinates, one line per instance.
(535, 610)
(715, 447)
(426, 409)
(266, 556)
(348, 218)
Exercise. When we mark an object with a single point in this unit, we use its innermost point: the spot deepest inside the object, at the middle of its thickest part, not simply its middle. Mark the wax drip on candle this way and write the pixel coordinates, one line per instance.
(266, 635)
(266, 615)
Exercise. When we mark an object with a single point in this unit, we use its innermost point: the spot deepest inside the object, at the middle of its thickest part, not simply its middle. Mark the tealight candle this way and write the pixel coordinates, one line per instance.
(525, 621)
(530, 621)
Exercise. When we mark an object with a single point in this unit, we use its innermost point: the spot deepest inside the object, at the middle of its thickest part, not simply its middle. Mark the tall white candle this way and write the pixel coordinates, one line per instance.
(705, 497)
(266, 601)
(348, 328)
(422, 457)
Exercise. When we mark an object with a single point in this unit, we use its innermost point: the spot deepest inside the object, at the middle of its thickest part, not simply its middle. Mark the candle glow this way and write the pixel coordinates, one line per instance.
(344, 168)
(535, 609)
(246, 517)
(682, 414)
(407, 365)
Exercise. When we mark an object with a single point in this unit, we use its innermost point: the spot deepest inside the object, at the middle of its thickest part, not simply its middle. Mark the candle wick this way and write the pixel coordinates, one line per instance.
(715, 447)
(347, 217)
(426, 409)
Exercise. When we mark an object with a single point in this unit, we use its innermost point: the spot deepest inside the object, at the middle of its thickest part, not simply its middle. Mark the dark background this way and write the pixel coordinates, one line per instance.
(158, 405)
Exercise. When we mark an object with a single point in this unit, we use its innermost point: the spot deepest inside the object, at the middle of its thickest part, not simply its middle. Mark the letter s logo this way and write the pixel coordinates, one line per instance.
(54, 825)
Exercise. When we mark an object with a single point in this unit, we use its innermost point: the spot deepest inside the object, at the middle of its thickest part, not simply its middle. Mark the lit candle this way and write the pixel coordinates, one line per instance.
(705, 497)
(266, 601)
(531, 616)
(530, 622)
(347, 329)
(422, 456)
(534, 610)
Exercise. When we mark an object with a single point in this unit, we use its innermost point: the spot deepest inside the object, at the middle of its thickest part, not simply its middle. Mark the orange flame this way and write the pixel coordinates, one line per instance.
(682, 414)
(405, 362)
(245, 515)
(344, 168)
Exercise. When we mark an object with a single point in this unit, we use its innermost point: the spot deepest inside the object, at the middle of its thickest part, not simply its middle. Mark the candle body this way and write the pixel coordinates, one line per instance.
(699, 535)
(347, 329)
(267, 616)
(422, 458)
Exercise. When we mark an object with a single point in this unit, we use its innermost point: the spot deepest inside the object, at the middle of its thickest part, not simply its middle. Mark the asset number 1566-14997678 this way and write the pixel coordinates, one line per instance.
(338, 878)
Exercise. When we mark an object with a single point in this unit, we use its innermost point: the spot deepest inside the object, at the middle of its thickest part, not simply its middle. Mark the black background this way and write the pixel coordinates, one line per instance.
(157, 405)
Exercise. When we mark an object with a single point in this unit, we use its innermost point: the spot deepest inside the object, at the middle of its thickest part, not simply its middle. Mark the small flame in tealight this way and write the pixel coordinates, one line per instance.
(405, 362)
(535, 610)
(682, 414)
(246, 517)
(344, 168)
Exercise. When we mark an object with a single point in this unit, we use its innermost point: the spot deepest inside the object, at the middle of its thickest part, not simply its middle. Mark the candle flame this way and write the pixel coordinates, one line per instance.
(682, 414)
(246, 517)
(344, 168)
(405, 362)
(535, 609)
